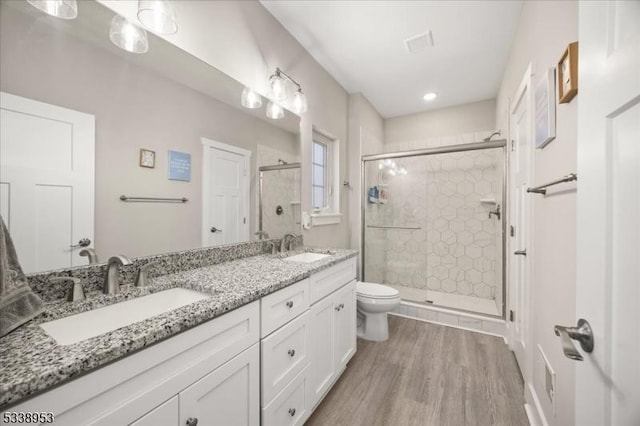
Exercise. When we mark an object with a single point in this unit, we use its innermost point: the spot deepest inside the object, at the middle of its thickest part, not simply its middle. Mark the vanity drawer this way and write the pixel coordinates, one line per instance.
(284, 305)
(291, 406)
(327, 281)
(284, 354)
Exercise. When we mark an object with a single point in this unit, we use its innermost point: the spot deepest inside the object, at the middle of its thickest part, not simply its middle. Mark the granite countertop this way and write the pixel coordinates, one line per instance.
(32, 361)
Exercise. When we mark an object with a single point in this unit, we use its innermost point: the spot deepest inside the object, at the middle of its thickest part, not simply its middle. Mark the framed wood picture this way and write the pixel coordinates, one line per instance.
(568, 74)
(147, 158)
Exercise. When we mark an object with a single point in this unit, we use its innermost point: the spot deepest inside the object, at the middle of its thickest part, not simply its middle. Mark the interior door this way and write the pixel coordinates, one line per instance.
(227, 197)
(46, 181)
(519, 290)
(608, 275)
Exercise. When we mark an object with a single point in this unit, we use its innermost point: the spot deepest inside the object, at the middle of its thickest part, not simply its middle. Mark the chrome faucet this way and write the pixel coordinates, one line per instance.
(91, 254)
(284, 242)
(495, 212)
(262, 235)
(112, 276)
(142, 278)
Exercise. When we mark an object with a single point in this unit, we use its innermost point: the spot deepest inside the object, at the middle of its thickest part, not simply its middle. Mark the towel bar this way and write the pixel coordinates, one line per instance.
(152, 199)
(542, 189)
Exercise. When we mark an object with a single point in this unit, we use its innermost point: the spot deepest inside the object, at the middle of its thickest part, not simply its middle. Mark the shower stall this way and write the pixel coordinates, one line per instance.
(433, 228)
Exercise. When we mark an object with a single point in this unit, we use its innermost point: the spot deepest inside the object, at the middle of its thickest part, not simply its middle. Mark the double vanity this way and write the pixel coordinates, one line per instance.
(255, 340)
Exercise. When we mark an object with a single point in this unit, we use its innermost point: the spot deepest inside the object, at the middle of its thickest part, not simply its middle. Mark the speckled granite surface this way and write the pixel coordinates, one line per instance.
(167, 263)
(32, 361)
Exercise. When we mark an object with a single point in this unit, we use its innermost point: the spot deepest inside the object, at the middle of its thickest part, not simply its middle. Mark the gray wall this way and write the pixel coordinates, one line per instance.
(134, 109)
(242, 39)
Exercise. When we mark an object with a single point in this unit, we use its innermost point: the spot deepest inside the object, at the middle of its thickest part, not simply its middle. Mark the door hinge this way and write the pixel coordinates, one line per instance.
(512, 316)
(244, 220)
(512, 231)
(513, 145)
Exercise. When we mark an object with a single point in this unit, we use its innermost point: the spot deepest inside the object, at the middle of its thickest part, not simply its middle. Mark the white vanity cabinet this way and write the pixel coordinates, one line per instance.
(333, 327)
(211, 371)
(285, 344)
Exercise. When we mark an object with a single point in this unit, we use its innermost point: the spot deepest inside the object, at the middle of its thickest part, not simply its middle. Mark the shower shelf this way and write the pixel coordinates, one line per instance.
(488, 201)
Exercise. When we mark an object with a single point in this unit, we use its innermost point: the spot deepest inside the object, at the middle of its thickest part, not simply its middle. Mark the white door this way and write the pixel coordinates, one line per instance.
(230, 395)
(519, 289)
(225, 194)
(345, 324)
(608, 275)
(46, 181)
(323, 358)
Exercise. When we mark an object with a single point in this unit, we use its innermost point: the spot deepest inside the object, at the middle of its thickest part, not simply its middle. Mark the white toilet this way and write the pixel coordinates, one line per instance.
(374, 301)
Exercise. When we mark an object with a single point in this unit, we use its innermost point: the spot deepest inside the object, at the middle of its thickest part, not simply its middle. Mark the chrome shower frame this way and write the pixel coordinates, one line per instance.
(500, 143)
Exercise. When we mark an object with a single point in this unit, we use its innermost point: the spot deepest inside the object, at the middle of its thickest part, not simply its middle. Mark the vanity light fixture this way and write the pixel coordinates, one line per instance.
(250, 99)
(158, 16)
(274, 111)
(65, 9)
(430, 96)
(128, 36)
(278, 91)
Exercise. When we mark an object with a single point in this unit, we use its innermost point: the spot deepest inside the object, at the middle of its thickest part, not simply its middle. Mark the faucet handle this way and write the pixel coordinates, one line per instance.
(142, 280)
(76, 291)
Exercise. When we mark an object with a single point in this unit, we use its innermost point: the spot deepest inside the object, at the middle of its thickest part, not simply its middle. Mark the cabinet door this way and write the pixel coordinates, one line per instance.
(163, 415)
(345, 324)
(230, 395)
(323, 354)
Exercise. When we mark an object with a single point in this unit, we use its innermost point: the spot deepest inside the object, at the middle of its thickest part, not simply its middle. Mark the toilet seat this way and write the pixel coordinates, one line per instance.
(376, 291)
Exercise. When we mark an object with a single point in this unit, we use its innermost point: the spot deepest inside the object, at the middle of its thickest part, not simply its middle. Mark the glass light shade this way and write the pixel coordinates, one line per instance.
(158, 16)
(250, 99)
(274, 111)
(128, 36)
(65, 9)
(299, 102)
(277, 88)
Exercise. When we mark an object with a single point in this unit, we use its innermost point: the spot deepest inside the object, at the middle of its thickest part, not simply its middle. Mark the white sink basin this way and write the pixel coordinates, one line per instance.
(76, 328)
(306, 257)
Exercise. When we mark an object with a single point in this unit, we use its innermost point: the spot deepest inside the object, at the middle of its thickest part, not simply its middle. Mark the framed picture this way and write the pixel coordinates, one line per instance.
(179, 166)
(147, 158)
(545, 109)
(568, 74)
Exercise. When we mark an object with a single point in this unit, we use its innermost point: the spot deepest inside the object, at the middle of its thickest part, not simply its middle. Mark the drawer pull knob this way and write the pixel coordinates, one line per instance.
(338, 308)
(289, 304)
(341, 305)
(192, 421)
(292, 412)
(291, 352)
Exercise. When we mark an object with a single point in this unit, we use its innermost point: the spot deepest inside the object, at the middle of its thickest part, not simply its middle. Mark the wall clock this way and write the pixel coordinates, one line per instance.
(147, 158)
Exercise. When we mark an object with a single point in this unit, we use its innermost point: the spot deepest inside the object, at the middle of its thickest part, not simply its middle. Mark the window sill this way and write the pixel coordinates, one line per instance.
(320, 219)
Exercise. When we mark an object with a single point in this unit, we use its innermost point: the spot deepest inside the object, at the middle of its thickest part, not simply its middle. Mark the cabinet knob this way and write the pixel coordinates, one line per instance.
(291, 352)
(338, 308)
(289, 304)
(192, 421)
(292, 412)
(342, 306)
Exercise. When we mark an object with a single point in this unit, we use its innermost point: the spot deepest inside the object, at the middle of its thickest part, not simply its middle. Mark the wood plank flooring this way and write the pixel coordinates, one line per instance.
(427, 374)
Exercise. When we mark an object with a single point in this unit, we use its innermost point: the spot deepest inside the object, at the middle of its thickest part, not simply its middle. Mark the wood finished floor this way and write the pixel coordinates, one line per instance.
(427, 374)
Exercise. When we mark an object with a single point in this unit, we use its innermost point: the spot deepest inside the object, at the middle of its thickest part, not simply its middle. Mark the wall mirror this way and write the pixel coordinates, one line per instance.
(85, 123)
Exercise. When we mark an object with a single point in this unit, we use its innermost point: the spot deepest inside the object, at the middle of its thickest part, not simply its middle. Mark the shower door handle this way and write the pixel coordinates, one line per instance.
(520, 252)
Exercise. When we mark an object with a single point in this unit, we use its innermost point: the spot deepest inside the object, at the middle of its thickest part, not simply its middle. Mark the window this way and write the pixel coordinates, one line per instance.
(320, 178)
(325, 187)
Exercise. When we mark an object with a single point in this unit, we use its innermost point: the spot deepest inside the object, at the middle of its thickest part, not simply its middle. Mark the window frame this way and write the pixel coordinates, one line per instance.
(330, 212)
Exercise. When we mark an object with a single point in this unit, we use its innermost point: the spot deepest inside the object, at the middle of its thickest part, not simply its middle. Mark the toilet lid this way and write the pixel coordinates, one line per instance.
(377, 291)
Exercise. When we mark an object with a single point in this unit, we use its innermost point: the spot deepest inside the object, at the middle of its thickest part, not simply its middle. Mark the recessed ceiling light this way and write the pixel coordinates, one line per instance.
(430, 96)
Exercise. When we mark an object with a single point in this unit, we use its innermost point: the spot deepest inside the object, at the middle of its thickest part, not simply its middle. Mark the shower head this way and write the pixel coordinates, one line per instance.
(492, 135)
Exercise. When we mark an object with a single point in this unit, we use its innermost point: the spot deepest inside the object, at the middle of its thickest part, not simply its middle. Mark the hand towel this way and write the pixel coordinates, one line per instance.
(18, 304)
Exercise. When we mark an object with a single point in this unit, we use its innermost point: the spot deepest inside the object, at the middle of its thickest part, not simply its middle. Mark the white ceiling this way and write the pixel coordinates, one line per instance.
(361, 43)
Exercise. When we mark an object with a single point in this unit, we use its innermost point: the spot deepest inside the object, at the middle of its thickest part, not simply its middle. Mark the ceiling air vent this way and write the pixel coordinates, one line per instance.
(419, 42)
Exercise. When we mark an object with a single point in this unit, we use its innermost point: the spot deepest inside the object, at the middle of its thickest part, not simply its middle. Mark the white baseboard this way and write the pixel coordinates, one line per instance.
(534, 411)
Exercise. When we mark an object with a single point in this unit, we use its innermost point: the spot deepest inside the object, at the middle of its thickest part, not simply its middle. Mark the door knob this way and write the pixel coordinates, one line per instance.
(582, 333)
(84, 242)
(521, 252)
(214, 229)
